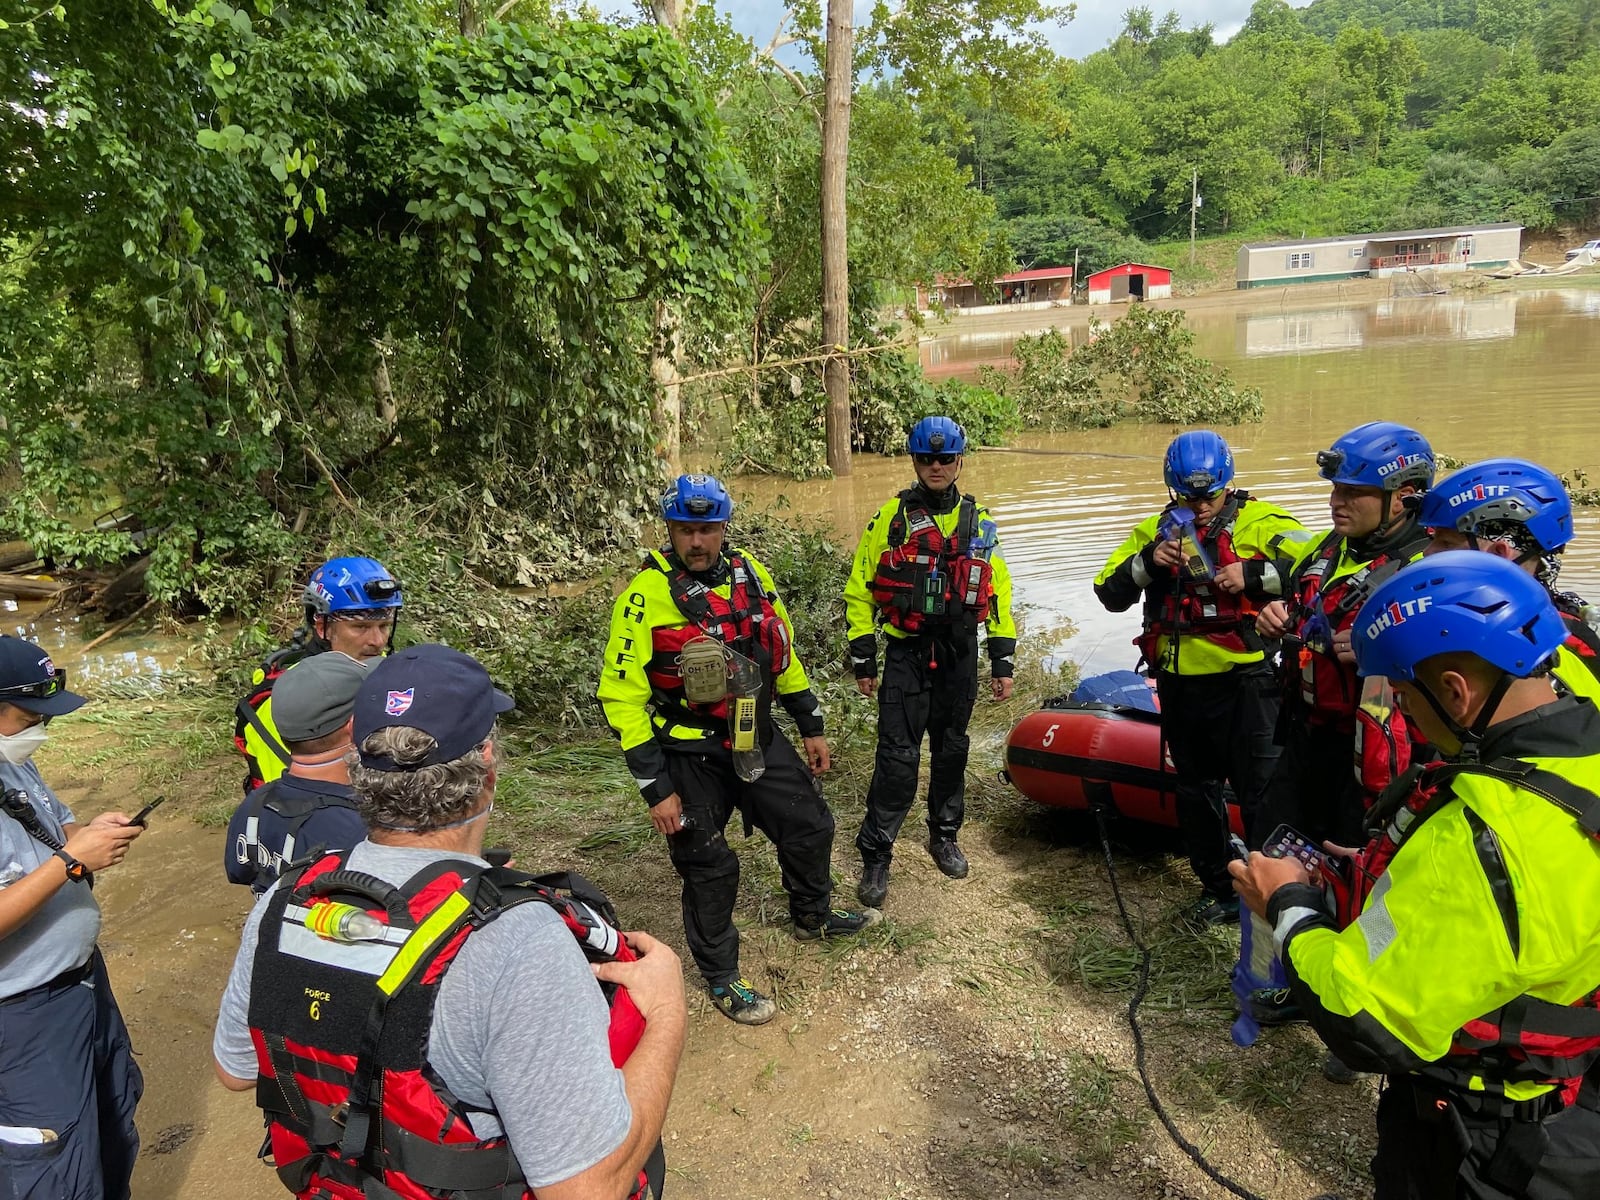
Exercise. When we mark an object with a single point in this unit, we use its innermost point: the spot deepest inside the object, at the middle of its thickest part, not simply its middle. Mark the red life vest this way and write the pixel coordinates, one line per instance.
(341, 1030)
(1384, 742)
(1329, 688)
(1197, 607)
(1527, 1040)
(925, 579)
(744, 620)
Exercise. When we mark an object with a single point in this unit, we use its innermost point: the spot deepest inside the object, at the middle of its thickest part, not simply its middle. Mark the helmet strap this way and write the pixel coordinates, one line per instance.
(1470, 738)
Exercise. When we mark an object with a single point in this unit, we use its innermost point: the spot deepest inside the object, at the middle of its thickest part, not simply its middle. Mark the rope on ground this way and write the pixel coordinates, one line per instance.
(1183, 1143)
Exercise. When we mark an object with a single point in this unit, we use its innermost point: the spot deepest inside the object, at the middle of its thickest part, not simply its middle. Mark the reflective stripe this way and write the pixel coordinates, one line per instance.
(366, 958)
(427, 935)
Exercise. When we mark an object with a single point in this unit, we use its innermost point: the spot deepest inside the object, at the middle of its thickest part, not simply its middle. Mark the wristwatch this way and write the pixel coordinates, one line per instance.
(75, 869)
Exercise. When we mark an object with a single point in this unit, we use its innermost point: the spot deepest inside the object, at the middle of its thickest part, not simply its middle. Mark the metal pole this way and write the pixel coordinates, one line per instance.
(1194, 195)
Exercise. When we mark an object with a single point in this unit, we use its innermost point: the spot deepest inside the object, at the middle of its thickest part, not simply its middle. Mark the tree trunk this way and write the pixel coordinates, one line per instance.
(664, 370)
(835, 262)
(467, 16)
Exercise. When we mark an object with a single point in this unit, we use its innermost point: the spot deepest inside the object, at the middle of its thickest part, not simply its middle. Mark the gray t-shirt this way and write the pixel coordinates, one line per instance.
(520, 1026)
(62, 933)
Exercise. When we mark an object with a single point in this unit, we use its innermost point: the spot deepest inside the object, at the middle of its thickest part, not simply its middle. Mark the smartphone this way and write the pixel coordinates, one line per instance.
(1286, 842)
(140, 817)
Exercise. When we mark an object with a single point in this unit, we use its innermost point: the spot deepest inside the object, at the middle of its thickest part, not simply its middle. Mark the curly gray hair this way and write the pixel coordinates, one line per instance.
(422, 798)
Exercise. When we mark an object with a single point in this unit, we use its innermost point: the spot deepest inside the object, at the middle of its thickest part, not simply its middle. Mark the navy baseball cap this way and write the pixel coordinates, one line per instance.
(31, 681)
(443, 692)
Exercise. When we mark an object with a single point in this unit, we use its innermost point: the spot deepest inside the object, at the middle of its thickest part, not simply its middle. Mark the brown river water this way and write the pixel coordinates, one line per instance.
(1510, 373)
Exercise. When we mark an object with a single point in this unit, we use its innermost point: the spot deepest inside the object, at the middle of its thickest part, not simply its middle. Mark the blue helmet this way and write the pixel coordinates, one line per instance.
(936, 435)
(1198, 464)
(1379, 454)
(1502, 497)
(697, 500)
(345, 586)
(1457, 601)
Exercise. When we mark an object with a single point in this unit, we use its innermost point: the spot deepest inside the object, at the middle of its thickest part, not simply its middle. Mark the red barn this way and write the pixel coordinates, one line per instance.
(1130, 281)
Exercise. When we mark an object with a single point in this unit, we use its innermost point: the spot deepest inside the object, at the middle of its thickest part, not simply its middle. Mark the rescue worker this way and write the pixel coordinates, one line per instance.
(311, 805)
(700, 645)
(1470, 974)
(1314, 788)
(351, 606)
(416, 1022)
(68, 1081)
(1201, 566)
(1519, 511)
(929, 571)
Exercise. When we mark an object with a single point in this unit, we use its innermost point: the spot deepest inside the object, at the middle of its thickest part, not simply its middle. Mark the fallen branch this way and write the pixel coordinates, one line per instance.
(119, 626)
(29, 587)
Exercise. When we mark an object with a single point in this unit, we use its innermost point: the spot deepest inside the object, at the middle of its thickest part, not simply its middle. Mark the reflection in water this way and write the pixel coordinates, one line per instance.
(1419, 319)
(1506, 374)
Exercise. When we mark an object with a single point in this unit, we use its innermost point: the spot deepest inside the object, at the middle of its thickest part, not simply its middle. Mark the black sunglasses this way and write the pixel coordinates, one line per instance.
(927, 460)
(42, 690)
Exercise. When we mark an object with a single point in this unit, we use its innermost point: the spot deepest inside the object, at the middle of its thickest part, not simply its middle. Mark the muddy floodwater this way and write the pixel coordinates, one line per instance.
(1508, 373)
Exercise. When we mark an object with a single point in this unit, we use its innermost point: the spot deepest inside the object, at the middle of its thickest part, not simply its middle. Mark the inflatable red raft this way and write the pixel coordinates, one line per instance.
(1081, 748)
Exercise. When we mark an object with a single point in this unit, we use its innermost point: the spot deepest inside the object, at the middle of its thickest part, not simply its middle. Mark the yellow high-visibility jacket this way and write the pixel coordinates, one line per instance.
(646, 716)
(1492, 897)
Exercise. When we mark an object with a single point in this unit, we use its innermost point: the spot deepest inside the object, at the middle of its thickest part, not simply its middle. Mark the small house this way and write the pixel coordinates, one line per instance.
(1130, 281)
(1377, 255)
(1041, 286)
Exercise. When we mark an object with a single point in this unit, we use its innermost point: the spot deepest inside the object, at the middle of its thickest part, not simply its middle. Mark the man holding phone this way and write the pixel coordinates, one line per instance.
(1200, 568)
(1470, 973)
(68, 1082)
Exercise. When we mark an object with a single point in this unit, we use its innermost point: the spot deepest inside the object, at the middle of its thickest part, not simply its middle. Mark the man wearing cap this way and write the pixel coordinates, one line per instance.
(479, 1009)
(700, 647)
(68, 1082)
(311, 808)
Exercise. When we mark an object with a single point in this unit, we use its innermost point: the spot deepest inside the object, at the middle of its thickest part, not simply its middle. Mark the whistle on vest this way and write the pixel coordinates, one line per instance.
(1178, 525)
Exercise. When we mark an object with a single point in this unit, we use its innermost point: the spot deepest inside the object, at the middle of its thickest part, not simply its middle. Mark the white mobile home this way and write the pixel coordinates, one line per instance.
(1375, 255)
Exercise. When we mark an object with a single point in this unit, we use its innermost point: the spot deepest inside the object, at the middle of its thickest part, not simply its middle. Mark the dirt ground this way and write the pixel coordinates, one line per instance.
(973, 1045)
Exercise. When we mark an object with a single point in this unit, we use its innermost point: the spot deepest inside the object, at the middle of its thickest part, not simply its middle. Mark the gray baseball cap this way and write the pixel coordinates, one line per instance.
(316, 695)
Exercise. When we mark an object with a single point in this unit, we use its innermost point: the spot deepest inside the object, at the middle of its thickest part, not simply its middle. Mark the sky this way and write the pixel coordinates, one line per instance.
(1097, 22)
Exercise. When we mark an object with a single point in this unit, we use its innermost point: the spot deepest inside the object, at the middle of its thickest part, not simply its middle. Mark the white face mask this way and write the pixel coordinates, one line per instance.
(18, 748)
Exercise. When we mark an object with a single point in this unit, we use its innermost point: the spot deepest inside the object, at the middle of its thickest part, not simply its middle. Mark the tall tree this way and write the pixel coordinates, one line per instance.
(835, 231)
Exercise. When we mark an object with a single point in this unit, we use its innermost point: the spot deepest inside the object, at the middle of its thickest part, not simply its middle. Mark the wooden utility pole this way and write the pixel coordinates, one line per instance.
(839, 73)
(1194, 207)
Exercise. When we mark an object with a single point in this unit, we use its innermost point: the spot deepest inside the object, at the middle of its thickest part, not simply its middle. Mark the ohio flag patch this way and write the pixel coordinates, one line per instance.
(398, 702)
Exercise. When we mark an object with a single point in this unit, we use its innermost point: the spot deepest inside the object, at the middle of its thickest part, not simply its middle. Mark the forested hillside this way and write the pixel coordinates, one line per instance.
(1344, 116)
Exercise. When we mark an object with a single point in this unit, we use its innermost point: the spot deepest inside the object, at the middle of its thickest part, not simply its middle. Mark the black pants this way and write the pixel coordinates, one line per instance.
(786, 804)
(1426, 1152)
(66, 1065)
(1313, 787)
(1218, 727)
(928, 688)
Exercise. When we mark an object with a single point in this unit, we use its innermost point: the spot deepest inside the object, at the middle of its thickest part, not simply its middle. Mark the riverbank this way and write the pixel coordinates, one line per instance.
(973, 1044)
